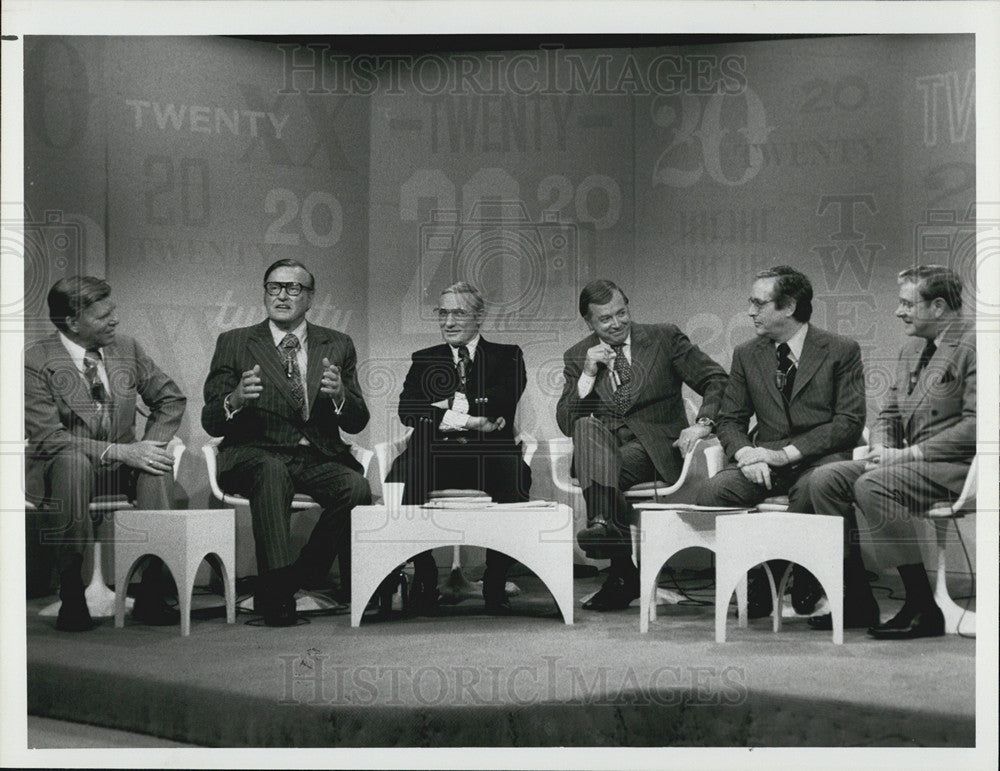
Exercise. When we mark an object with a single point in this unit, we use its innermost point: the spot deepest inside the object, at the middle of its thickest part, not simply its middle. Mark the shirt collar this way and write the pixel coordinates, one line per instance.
(796, 341)
(76, 351)
(471, 345)
(278, 335)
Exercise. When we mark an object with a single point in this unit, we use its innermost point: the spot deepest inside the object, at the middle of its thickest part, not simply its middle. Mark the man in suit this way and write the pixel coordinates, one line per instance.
(924, 441)
(621, 402)
(460, 398)
(279, 392)
(80, 391)
(806, 388)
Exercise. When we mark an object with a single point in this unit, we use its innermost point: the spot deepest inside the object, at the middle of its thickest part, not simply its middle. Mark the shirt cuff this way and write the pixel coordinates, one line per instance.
(794, 456)
(454, 421)
(585, 385)
(103, 460)
(230, 412)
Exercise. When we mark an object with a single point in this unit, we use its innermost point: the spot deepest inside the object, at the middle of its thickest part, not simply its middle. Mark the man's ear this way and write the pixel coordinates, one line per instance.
(73, 324)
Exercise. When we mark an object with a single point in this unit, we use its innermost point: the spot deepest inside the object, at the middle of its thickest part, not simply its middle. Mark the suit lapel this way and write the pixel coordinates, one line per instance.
(766, 365)
(120, 379)
(69, 384)
(644, 353)
(813, 354)
(264, 352)
(934, 370)
(319, 346)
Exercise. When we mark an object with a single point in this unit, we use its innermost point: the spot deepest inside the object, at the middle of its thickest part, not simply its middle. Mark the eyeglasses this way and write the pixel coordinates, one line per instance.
(758, 304)
(459, 314)
(293, 288)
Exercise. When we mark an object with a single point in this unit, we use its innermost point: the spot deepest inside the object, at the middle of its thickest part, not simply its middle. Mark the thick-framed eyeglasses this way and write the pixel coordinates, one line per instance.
(757, 304)
(293, 288)
(459, 314)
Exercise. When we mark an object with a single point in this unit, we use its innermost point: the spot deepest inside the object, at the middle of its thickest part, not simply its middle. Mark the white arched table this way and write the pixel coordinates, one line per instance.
(537, 534)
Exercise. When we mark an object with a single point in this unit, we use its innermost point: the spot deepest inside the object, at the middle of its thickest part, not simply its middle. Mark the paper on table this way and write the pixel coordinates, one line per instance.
(652, 505)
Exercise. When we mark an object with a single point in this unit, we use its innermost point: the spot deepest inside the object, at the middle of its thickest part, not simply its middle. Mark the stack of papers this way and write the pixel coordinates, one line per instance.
(653, 506)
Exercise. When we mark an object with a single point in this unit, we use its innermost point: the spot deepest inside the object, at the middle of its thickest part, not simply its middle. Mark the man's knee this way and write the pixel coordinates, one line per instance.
(270, 471)
(710, 491)
(73, 468)
(586, 428)
(833, 480)
(358, 490)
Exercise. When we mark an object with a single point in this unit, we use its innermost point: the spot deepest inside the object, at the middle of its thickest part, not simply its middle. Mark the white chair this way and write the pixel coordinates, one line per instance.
(300, 502)
(957, 620)
(100, 599)
(813, 541)
(457, 588)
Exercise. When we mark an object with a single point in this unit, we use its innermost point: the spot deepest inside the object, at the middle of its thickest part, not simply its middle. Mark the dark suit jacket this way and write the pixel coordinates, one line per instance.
(663, 360)
(273, 422)
(940, 414)
(827, 406)
(60, 414)
(495, 384)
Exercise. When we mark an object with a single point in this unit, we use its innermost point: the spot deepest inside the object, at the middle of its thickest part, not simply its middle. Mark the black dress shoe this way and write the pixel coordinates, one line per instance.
(616, 594)
(595, 540)
(499, 607)
(74, 616)
(855, 617)
(274, 596)
(152, 610)
(806, 591)
(910, 624)
(495, 593)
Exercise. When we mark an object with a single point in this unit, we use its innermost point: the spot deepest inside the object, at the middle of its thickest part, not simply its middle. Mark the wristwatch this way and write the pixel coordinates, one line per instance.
(706, 422)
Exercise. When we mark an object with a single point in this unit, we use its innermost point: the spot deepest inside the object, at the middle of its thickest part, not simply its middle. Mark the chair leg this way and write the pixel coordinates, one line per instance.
(956, 619)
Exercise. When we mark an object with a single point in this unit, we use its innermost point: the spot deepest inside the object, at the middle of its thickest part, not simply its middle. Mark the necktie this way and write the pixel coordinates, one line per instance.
(925, 356)
(98, 393)
(624, 372)
(785, 376)
(289, 349)
(463, 366)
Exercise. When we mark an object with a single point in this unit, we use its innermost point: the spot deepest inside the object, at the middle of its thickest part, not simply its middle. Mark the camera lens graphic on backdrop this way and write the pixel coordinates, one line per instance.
(525, 270)
(50, 249)
(967, 243)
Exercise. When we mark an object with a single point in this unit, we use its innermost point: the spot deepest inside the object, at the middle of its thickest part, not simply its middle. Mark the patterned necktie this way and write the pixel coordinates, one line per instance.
(463, 367)
(623, 370)
(785, 376)
(98, 393)
(290, 348)
(925, 356)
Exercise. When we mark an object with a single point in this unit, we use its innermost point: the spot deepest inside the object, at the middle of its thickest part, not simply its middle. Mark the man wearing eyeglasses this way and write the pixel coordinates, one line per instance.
(622, 404)
(923, 444)
(460, 398)
(806, 388)
(279, 392)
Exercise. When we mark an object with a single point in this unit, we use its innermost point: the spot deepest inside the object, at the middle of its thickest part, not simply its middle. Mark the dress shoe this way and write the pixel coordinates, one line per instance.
(498, 607)
(595, 539)
(152, 610)
(806, 591)
(425, 599)
(856, 616)
(495, 593)
(274, 597)
(616, 594)
(909, 624)
(74, 616)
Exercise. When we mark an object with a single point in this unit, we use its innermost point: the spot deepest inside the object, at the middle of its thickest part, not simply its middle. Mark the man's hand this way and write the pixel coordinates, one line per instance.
(145, 455)
(690, 436)
(247, 389)
(759, 473)
(880, 455)
(484, 424)
(331, 384)
(746, 456)
(600, 354)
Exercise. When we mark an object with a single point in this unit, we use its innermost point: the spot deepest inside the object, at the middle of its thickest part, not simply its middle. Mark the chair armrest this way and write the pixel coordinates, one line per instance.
(715, 459)
(529, 446)
(560, 456)
(363, 456)
(387, 452)
(211, 451)
(177, 447)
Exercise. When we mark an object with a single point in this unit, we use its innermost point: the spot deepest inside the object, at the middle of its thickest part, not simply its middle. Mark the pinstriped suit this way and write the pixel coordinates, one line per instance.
(824, 419)
(938, 417)
(262, 456)
(63, 459)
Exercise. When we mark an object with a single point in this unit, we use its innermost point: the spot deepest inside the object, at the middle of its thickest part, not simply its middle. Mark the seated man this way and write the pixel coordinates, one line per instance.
(621, 402)
(279, 392)
(806, 387)
(460, 398)
(923, 444)
(80, 391)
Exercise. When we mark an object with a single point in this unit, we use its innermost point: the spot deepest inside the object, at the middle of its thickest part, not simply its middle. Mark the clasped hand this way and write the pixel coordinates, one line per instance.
(880, 455)
(145, 455)
(484, 424)
(756, 463)
(600, 354)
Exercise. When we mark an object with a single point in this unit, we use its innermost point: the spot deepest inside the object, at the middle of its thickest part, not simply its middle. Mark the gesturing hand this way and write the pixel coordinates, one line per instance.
(600, 354)
(331, 384)
(248, 389)
(145, 455)
(759, 473)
